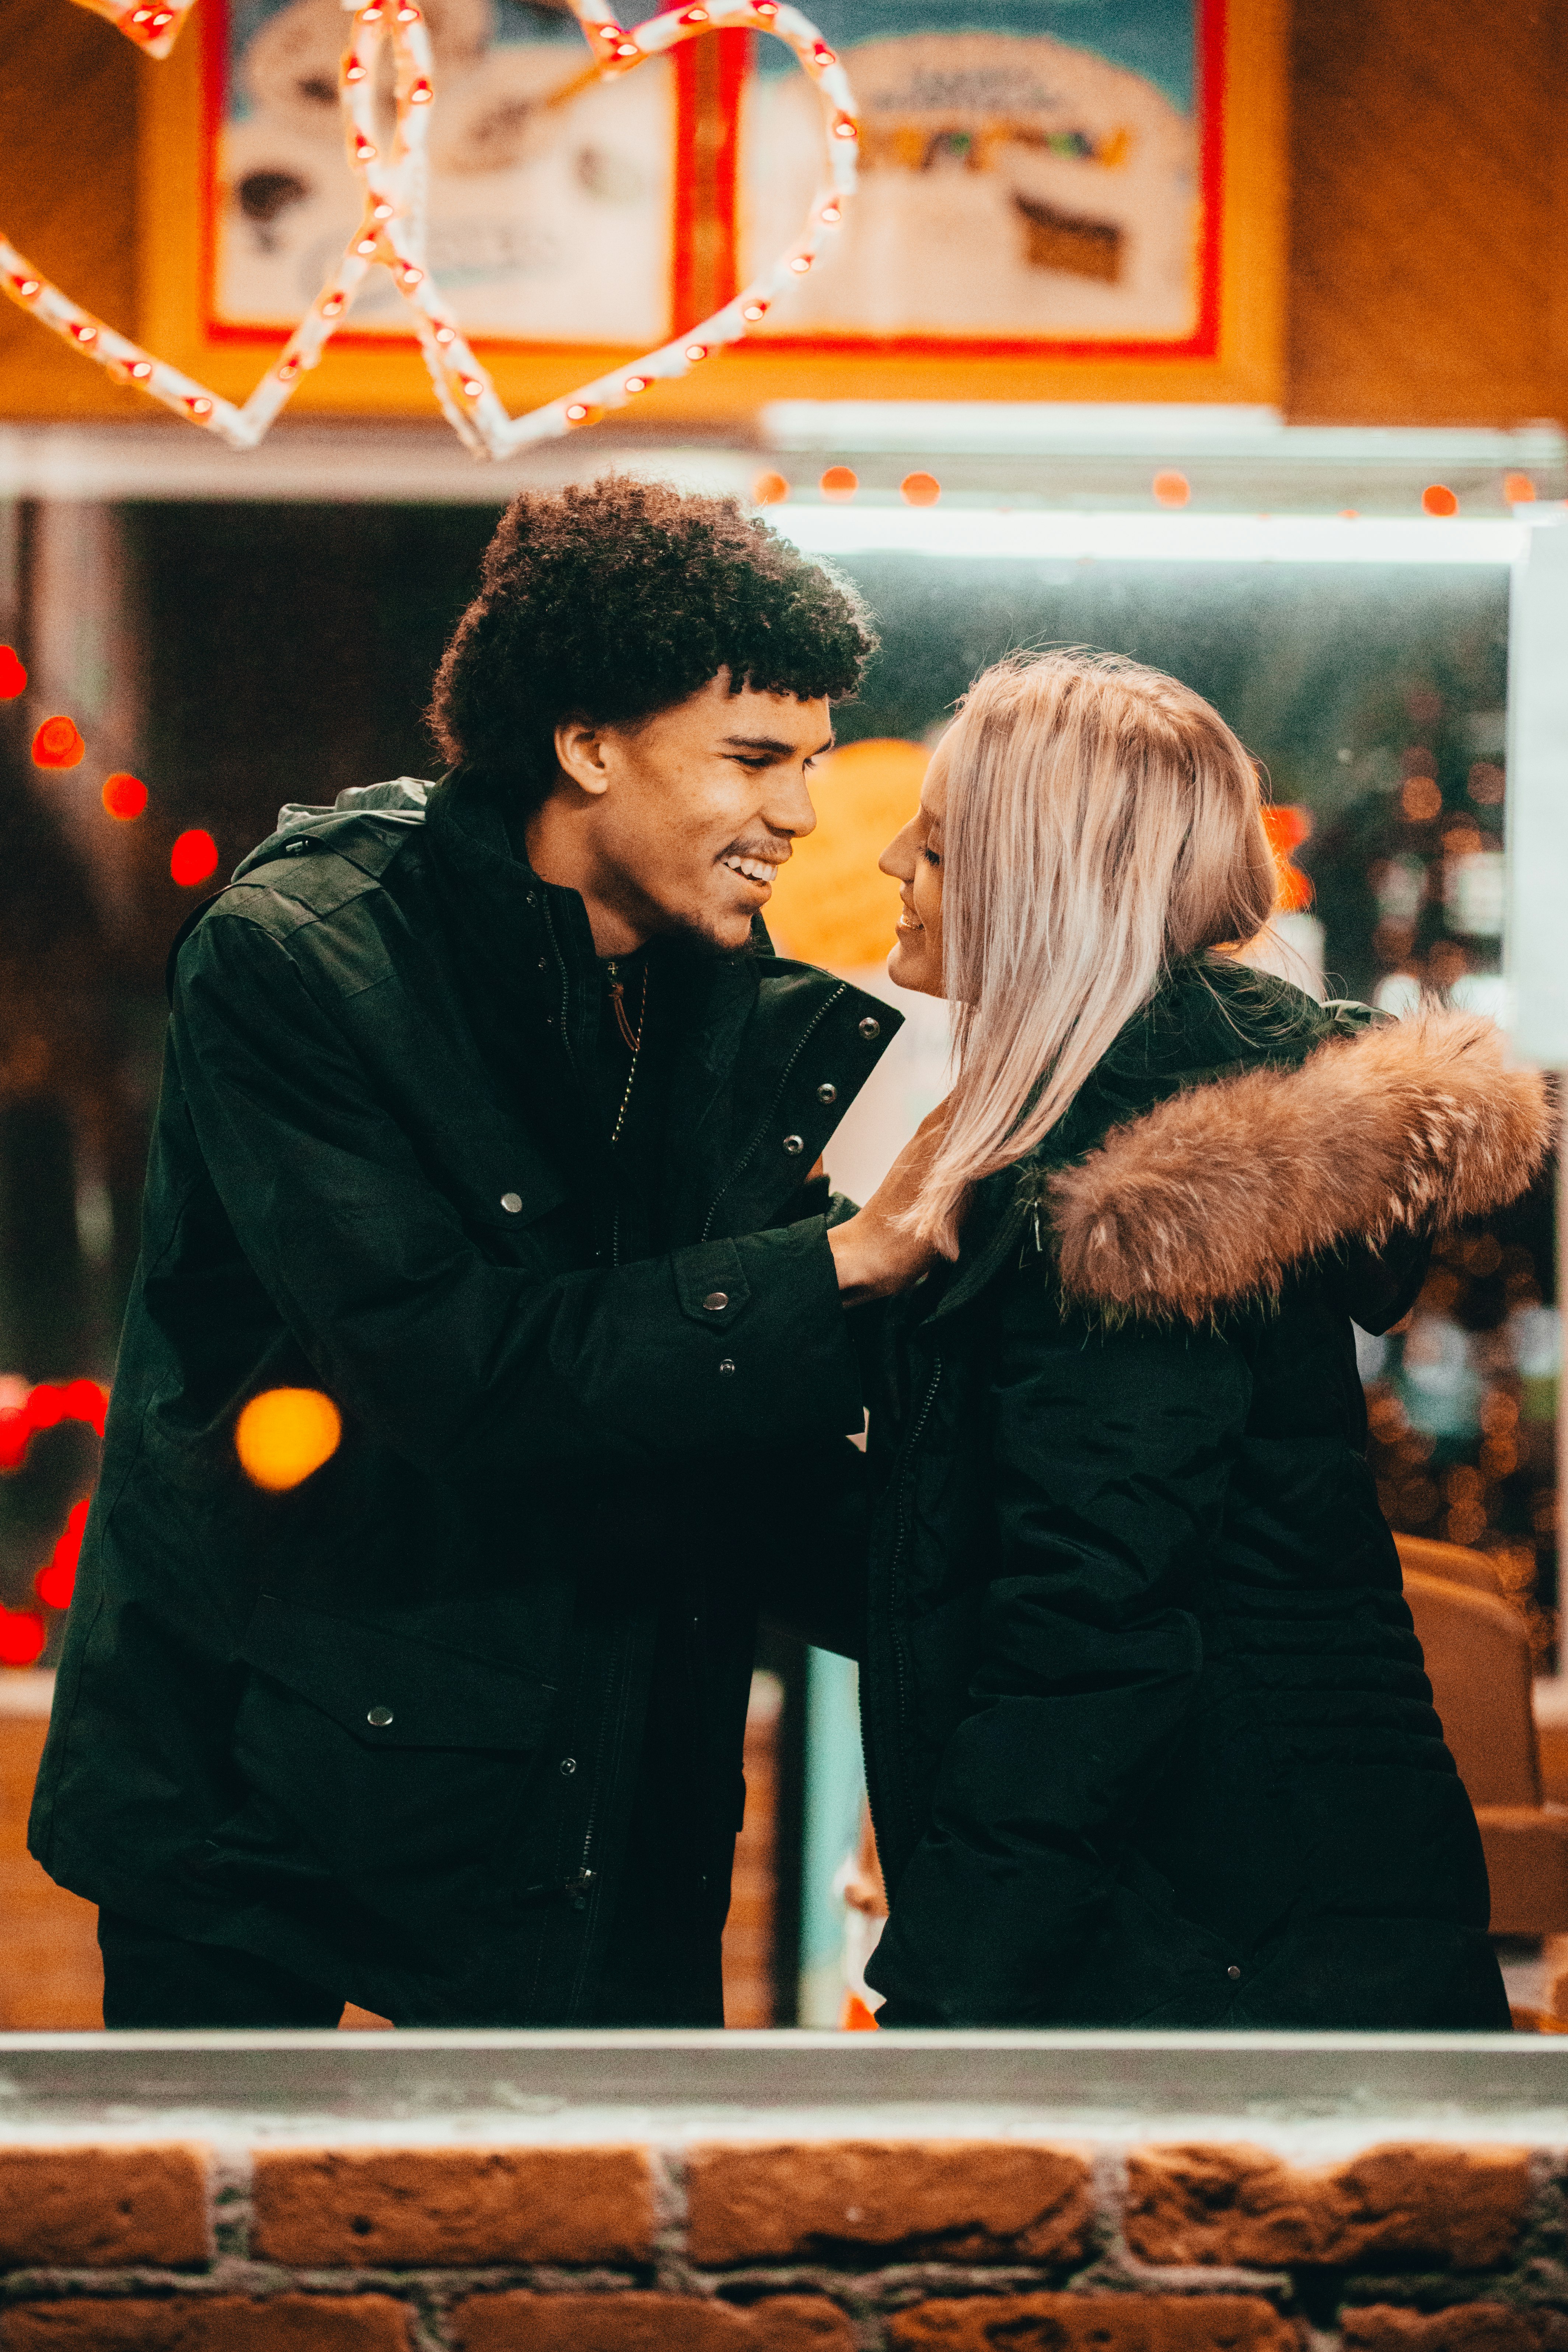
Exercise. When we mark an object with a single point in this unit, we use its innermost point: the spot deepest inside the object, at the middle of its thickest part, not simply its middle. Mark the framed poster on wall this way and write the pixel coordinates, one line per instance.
(1059, 199)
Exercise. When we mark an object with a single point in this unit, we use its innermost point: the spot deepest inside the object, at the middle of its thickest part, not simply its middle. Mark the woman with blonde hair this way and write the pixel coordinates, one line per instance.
(1148, 1736)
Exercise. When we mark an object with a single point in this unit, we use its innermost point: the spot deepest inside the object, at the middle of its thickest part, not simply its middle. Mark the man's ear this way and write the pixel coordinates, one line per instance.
(580, 755)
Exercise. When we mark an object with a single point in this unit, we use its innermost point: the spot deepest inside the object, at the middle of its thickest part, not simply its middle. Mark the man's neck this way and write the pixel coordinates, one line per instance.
(559, 852)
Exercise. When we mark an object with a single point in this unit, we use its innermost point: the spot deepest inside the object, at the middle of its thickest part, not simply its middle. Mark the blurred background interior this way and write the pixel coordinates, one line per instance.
(1265, 396)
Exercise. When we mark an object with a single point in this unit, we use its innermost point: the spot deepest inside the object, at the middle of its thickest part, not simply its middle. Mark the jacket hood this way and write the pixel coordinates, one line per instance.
(402, 801)
(1209, 1199)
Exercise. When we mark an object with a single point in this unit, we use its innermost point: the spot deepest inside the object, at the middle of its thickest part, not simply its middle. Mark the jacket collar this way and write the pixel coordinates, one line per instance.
(1236, 1130)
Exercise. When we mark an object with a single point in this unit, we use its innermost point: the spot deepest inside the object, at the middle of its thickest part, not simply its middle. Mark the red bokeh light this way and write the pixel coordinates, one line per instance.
(54, 1584)
(839, 482)
(124, 795)
(22, 1636)
(48, 1404)
(1437, 498)
(1172, 490)
(194, 858)
(57, 743)
(769, 491)
(920, 489)
(13, 676)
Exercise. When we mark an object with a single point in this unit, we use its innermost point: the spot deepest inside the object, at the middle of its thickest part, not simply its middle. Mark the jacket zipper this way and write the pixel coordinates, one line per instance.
(911, 1450)
(747, 1156)
(583, 1882)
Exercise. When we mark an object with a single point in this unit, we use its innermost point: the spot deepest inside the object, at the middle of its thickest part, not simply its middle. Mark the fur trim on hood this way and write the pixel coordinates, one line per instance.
(1209, 1199)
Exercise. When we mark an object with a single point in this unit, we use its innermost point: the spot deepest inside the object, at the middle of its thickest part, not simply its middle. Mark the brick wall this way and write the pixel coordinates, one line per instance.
(682, 2244)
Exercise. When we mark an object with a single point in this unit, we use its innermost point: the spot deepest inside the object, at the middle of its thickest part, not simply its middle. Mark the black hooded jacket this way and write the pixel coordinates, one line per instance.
(1148, 1736)
(385, 1728)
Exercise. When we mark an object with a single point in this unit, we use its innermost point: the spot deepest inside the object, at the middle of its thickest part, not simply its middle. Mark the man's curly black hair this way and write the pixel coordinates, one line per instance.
(614, 599)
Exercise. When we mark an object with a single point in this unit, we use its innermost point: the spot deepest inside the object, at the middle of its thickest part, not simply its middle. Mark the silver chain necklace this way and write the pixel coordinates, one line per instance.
(633, 1038)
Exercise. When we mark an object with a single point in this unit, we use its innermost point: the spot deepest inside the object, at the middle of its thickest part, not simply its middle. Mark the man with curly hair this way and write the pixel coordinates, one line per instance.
(489, 1113)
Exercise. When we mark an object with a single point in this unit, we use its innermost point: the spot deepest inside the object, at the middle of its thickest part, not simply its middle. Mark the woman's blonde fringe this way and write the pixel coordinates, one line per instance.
(1102, 821)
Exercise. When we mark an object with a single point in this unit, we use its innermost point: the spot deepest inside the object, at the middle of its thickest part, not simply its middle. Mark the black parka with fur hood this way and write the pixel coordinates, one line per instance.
(1149, 1740)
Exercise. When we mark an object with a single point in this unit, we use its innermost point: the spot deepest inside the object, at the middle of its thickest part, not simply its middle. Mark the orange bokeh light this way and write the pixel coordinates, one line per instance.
(1519, 489)
(1437, 499)
(1172, 490)
(285, 1434)
(124, 795)
(194, 858)
(769, 491)
(1420, 799)
(839, 482)
(920, 489)
(58, 744)
(1288, 827)
(13, 676)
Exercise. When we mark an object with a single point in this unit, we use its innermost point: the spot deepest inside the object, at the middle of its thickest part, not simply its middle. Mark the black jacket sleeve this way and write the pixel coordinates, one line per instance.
(1109, 1456)
(469, 1367)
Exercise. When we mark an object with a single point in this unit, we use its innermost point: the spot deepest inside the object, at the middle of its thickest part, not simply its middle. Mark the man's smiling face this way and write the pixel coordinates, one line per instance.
(678, 823)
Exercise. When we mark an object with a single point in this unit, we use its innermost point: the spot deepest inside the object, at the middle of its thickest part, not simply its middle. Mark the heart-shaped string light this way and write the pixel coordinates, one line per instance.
(393, 228)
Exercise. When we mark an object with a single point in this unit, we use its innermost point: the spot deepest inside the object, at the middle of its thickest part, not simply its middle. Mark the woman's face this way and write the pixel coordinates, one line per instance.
(914, 859)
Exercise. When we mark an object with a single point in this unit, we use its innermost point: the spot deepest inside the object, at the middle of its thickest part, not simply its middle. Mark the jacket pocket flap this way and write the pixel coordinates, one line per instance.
(391, 1691)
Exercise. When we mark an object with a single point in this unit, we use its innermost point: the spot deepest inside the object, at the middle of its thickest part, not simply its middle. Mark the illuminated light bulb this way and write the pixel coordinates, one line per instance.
(753, 312)
(366, 245)
(288, 370)
(406, 15)
(766, 9)
(800, 263)
(124, 796)
(22, 1636)
(627, 49)
(445, 334)
(13, 676)
(371, 15)
(695, 352)
(284, 1435)
(1437, 498)
(611, 32)
(831, 215)
(472, 386)
(694, 16)
(823, 56)
(383, 210)
(1171, 489)
(140, 15)
(331, 306)
(27, 287)
(200, 407)
(839, 483)
(85, 335)
(164, 16)
(140, 370)
(194, 858)
(575, 411)
(769, 491)
(637, 384)
(920, 489)
(1519, 489)
(364, 149)
(847, 128)
(421, 94)
(354, 71)
(58, 744)
(409, 275)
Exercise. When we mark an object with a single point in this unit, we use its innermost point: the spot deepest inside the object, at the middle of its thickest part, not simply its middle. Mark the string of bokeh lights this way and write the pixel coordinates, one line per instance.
(839, 484)
(392, 232)
(59, 743)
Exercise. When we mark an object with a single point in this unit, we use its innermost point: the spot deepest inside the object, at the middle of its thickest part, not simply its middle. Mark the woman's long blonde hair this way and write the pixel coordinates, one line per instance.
(1101, 820)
